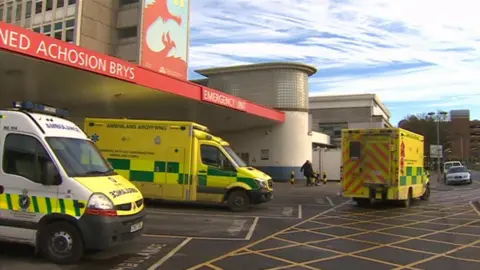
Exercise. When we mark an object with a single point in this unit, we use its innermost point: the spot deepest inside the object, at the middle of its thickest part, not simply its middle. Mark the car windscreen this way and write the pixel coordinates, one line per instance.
(458, 170)
(79, 158)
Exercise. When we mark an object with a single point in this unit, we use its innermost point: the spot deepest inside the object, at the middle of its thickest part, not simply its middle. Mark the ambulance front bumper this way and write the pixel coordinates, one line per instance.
(101, 232)
(260, 196)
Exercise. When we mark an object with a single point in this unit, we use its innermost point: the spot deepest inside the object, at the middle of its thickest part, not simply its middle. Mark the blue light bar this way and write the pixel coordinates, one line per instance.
(40, 108)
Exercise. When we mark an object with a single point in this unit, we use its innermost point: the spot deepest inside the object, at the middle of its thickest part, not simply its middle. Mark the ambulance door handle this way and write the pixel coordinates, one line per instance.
(1, 189)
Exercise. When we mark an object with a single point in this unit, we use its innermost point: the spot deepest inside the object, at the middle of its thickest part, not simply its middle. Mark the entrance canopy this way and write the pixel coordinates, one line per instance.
(45, 70)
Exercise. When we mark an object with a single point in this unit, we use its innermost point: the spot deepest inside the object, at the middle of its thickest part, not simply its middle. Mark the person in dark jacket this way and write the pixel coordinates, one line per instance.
(308, 172)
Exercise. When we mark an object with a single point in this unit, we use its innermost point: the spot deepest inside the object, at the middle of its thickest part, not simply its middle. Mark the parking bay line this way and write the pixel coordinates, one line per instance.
(252, 229)
(231, 216)
(236, 227)
(170, 254)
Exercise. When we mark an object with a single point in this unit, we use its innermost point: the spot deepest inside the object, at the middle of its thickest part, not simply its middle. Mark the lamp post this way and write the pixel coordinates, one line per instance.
(438, 117)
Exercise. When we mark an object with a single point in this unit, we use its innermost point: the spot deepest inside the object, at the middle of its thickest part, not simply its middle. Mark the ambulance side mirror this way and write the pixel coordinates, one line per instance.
(52, 177)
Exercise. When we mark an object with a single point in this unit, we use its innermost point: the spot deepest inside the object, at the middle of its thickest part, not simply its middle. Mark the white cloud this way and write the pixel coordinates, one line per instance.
(350, 35)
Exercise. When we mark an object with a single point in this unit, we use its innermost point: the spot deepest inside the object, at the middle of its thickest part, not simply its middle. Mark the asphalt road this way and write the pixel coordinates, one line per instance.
(303, 228)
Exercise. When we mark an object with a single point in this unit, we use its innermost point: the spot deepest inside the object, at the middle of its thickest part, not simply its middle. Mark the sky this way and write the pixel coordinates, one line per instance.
(417, 56)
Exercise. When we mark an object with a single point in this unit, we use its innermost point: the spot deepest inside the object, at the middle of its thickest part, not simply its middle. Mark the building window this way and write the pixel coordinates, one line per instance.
(18, 11)
(127, 2)
(58, 26)
(60, 3)
(72, 2)
(49, 5)
(69, 35)
(37, 29)
(58, 35)
(38, 7)
(28, 9)
(9, 12)
(47, 28)
(1, 12)
(70, 23)
(127, 32)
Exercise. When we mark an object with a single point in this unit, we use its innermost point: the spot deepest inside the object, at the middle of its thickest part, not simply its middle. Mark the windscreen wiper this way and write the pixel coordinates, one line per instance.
(107, 172)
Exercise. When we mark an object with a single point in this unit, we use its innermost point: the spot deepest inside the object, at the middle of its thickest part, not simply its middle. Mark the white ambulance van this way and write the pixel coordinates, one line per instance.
(57, 192)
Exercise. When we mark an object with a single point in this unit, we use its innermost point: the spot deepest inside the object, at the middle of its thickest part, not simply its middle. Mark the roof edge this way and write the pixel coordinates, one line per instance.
(352, 97)
(309, 69)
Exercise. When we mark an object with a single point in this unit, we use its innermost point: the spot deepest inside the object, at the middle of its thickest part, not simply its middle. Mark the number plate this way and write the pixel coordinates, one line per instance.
(135, 227)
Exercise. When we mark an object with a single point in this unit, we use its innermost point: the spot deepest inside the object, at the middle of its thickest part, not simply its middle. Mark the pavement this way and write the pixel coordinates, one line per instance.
(302, 228)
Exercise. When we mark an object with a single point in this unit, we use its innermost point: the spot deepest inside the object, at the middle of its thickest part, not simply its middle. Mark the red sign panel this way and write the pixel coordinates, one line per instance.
(222, 99)
(164, 40)
(17, 39)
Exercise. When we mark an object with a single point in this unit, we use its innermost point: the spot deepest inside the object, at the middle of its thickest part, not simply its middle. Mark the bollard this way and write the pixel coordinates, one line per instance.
(292, 177)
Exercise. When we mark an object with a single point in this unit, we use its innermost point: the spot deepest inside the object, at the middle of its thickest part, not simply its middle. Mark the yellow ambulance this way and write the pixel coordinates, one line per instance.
(179, 161)
(383, 164)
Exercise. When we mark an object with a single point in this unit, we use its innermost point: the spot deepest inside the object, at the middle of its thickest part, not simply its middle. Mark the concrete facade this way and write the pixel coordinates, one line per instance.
(276, 150)
(106, 26)
(460, 128)
(331, 114)
(279, 149)
(283, 86)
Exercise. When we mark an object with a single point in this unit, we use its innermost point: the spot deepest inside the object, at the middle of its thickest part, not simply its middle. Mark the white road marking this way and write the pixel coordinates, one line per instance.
(140, 257)
(216, 215)
(193, 237)
(236, 227)
(169, 255)
(329, 201)
(300, 214)
(252, 229)
(287, 211)
(320, 200)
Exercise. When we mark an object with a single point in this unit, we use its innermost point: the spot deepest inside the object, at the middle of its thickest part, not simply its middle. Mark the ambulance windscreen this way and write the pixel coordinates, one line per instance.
(79, 158)
(238, 160)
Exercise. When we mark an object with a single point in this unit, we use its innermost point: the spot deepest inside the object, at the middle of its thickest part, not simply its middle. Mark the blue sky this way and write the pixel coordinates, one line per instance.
(417, 56)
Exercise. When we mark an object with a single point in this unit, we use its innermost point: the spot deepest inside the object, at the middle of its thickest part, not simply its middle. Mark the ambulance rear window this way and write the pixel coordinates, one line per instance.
(355, 150)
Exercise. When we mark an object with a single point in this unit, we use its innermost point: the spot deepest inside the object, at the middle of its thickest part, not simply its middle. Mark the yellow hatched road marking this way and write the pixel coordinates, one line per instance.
(245, 250)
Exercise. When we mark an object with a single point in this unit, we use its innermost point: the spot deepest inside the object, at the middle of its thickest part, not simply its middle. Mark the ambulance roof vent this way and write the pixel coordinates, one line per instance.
(40, 108)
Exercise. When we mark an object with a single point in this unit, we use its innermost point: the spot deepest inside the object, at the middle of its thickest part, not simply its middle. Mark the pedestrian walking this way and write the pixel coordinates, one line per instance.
(307, 170)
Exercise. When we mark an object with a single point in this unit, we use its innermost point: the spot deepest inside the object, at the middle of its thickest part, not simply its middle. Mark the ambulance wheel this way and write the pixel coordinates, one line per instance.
(406, 203)
(238, 201)
(362, 202)
(426, 194)
(61, 243)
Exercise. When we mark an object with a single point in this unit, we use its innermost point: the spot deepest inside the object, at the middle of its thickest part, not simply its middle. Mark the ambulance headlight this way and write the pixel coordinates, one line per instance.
(261, 183)
(100, 201)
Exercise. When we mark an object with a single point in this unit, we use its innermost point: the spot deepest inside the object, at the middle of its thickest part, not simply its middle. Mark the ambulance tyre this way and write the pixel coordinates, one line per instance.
(426, 194)
(406, 203)
(238, 200)
(61, 243)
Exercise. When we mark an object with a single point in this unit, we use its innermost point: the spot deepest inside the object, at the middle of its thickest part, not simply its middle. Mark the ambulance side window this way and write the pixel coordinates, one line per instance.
(25, 156)
(212, 156)
(355, 150)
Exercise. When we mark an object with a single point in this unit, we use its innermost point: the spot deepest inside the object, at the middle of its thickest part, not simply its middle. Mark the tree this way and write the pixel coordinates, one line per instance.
(426, 126)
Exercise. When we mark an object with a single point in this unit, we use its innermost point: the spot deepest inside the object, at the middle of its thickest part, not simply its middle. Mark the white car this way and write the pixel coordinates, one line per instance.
(448, 164)
(457, 175)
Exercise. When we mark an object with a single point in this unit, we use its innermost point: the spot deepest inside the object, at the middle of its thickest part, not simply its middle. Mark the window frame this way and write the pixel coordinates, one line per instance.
(38, 145)
(352, 145)
(219, 153)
